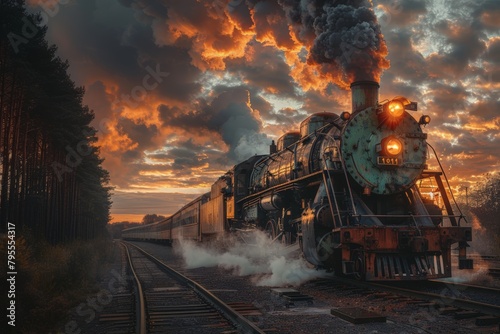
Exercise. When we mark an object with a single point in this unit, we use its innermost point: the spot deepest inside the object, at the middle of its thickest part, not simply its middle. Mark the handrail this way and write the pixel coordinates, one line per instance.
(341, 158)
(448, 184)
(329, 187)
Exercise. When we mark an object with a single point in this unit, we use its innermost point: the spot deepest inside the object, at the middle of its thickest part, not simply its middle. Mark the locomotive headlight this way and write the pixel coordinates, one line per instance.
(345, 116)
(393, 146)
(395, 108)
(424, 120)
(390, 147)
(393, 111)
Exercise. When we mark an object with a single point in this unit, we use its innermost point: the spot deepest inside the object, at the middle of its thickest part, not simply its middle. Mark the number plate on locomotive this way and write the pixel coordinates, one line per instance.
(386, 161)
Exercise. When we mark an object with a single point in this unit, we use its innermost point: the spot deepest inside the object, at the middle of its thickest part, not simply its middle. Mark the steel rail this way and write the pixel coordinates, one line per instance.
(408, 216)
(243, 324)
(489, 309)
(141, 307)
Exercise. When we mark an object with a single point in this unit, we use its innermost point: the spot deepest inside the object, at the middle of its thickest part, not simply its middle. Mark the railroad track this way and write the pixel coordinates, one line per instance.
(170, 302)
(485, 300)
(433, 292)
(494, 272)
(441, 300)
(419, 304)
(462, 289)
(113, 309)
(469, 297)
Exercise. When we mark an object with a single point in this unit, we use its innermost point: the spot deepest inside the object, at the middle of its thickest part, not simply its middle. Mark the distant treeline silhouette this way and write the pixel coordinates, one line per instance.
(51, 177)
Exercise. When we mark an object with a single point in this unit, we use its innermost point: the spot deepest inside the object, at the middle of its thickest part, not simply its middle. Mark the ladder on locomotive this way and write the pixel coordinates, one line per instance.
(340, 206)
(340, 213)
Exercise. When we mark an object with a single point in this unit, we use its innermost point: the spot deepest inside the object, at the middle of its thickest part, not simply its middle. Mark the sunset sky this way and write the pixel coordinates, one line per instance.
(183, 90)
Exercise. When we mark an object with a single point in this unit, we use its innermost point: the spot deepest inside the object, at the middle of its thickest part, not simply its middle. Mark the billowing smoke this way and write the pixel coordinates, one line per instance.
(344, 37)
(268, 263)
(357, 47)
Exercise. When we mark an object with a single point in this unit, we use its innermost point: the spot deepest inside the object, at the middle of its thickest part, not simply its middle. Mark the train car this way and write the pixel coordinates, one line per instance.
(165, 231)
(150, 232)
(213, 210)
(186, 221)
(347, 190)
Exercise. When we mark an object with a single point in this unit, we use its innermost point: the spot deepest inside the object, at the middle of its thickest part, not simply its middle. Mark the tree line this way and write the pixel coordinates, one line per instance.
(51, 176)
(484, 203)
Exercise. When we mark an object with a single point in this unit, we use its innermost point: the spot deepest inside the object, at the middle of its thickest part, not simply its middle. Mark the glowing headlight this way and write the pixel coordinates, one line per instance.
(395, 108)
(393, 146)
(345, 116)
(392, 113)
(424, 120)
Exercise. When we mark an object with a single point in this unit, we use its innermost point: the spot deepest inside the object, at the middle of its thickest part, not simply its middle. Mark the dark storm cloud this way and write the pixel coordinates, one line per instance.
(232, 117)
(458, 41)
(493, 53)
(230, 114)
(486, 110)
(269, 19)
(468, 154)
(261, 105)
(448, 97)
(198, 154)
(317, 101)
(186, 159)
(180, 84)
(94, 29)
(487, 15)
(413, 65)
(240, 12)
(141, 134)
(131, 156)
(401, 13)
(466, 44)
(186, 155)
(121, 49)
(287, 118)
(392, 86)
(267, 70)
(96, 92)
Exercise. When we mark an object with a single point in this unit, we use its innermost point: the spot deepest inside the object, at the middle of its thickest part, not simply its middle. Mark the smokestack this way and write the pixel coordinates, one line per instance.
(364, 95)
(272, 148)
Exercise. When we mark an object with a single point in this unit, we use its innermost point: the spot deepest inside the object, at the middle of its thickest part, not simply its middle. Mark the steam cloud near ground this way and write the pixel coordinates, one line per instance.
(267, 262)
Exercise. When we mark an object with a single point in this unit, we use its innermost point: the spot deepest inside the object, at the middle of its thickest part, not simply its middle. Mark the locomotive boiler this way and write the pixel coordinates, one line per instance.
(352, 191)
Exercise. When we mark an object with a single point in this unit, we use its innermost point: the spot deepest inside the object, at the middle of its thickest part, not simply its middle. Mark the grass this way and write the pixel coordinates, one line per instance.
(51, 279)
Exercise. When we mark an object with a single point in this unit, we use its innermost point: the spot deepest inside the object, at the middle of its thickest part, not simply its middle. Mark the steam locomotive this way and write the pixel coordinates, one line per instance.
(352, 191)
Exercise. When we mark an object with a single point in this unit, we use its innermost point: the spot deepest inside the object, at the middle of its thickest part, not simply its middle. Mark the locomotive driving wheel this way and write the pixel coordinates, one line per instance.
(358, 257)
(271, 229)
(274, 232)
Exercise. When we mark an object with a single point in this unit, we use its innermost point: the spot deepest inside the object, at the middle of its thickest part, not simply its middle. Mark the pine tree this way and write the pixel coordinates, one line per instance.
(52, 180)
